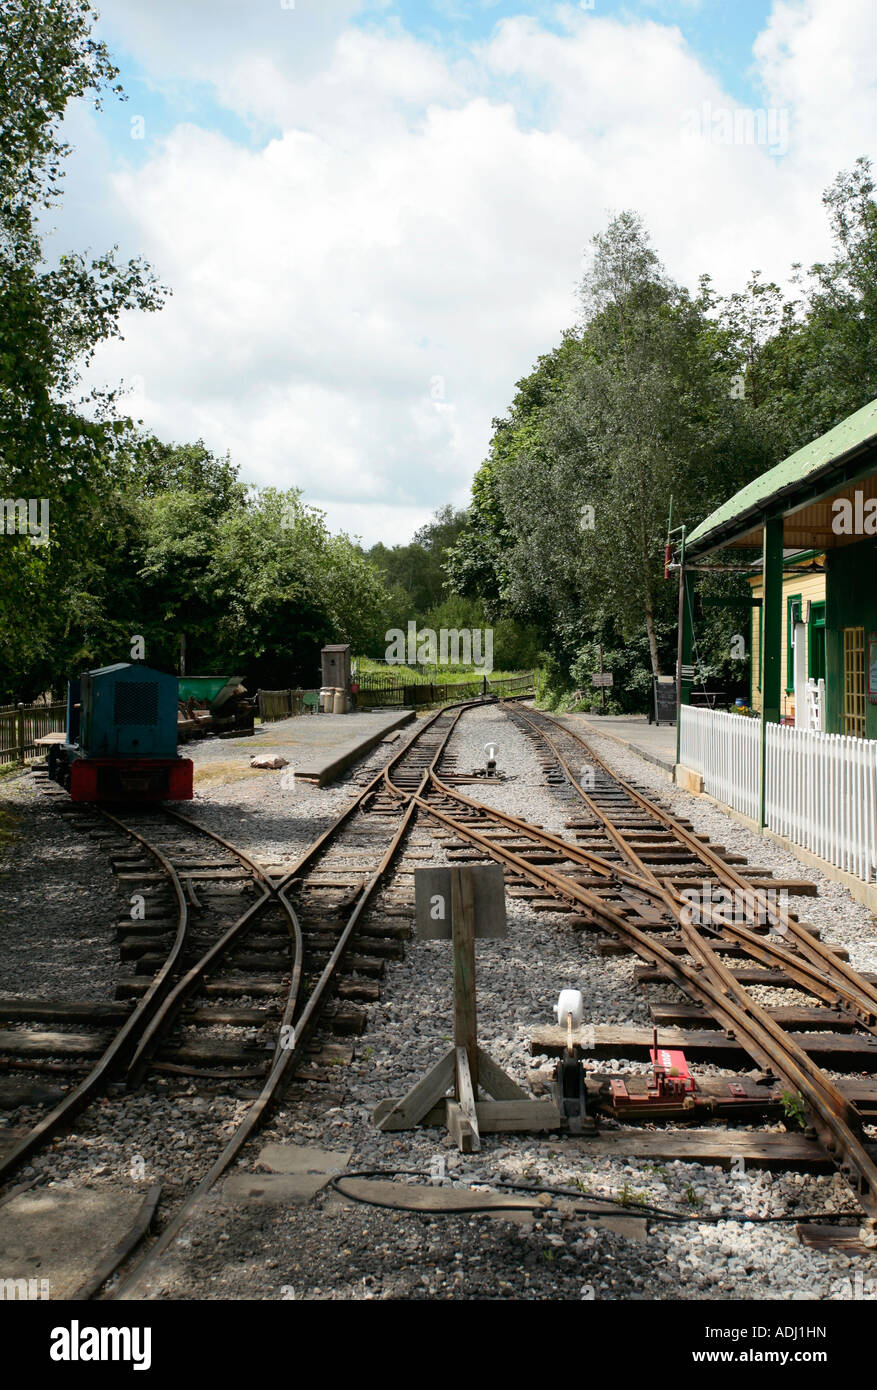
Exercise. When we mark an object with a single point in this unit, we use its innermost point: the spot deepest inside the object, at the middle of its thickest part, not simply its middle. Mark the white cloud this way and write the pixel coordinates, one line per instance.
(420, 220)
(816, 57)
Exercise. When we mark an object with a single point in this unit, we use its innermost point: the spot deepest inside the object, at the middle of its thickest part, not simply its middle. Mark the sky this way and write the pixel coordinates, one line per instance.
(374, 216)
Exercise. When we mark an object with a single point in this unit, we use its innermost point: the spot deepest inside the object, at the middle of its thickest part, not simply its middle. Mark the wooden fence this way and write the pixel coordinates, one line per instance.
(381, 693)
(821, 792)
(279, 704)
(724, 749)
(20, 725)
(820, 789)
(386, 692)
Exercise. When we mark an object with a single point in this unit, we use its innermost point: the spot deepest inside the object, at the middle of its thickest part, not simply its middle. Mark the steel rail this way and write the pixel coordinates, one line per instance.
(275, 891)
(710, 982)
(836, 1121)
(111, 1062)
(843, 988)
(287, 1057)
(813, 951)
(810, 977)
(766, 952)
(258, 870)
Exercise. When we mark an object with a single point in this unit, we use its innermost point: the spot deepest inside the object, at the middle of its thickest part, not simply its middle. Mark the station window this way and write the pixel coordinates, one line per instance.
(854, 681)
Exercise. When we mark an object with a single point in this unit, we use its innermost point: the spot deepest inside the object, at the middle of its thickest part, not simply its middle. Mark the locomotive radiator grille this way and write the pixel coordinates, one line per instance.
(136, 702)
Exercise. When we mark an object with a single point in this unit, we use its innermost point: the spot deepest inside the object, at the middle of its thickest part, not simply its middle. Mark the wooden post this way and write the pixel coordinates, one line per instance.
(685, 647)
(771, 655)
(21, 733)
(463, 942)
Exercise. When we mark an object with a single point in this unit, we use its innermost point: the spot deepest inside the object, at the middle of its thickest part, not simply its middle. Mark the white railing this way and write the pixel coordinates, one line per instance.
(814, 694)
(821, 789)
(822, 794)
(724, 749)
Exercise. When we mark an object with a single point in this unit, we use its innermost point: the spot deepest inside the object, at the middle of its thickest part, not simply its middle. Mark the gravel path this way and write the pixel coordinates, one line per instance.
(57, 896)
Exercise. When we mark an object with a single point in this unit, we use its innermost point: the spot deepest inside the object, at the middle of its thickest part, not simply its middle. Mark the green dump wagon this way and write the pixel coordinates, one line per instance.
(210, 704)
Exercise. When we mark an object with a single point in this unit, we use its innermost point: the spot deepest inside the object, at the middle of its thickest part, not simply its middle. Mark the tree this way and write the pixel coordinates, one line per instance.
(414, 573)
(52, 445)
(569, 512)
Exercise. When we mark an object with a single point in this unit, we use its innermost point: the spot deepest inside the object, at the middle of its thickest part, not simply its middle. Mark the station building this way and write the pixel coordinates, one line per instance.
(814, 519)
(804, 770)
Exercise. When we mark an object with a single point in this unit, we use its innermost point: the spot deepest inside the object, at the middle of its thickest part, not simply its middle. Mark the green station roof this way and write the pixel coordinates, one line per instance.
(789, 483)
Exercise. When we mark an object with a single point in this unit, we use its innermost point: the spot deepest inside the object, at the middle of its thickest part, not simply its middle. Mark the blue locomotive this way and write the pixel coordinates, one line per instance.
(121, 742)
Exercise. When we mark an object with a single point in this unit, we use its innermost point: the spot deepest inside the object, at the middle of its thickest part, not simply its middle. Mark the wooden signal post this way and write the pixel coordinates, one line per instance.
(460, 904)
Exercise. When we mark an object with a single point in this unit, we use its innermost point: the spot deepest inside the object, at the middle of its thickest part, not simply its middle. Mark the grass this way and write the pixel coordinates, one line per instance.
(212, 774)
(8, 823)
(412, 675)
(8, 827)
(793, 1105)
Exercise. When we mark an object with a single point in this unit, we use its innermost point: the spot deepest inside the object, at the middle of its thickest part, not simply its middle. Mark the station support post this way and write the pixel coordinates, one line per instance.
(771, 655)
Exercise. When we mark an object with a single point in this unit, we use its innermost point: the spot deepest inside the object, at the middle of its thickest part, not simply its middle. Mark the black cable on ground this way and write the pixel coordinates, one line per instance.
(619, 1206)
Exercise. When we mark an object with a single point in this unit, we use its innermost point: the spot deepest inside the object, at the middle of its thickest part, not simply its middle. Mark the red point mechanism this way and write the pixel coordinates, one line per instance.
(670, 1074)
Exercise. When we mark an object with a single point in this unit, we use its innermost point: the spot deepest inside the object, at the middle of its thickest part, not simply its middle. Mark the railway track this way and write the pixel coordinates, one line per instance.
(236, 966)
(309, 943)
(626, 874)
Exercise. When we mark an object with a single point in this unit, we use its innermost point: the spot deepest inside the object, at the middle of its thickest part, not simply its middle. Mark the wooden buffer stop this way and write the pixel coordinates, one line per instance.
(459, 904)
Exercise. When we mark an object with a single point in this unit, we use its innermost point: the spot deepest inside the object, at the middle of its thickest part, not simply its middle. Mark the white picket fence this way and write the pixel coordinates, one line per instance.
(724, 749)
(821, 789)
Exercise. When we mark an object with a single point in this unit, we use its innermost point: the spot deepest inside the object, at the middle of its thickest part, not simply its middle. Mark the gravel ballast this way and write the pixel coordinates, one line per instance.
(336, 1249)
(331, 1249)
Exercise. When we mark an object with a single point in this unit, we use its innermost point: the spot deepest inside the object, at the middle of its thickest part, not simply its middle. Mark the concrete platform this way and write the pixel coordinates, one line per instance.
(655, 742)
(319, 747)
(62, 1243)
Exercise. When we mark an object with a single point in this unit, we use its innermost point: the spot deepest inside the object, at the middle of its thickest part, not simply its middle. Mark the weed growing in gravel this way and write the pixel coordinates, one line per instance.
(627, 1196)
(691, 1197)
(793, 1106)
(659, 1171)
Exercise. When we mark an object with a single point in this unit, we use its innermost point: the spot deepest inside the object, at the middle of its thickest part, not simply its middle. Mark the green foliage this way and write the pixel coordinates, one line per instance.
(628, 1196)
(793, 1108)
(414, 573)
(52, 318)
(657, 394)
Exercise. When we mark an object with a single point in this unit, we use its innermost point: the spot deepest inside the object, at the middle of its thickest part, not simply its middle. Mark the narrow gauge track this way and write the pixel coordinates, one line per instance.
(139, 856)
(311, 919)
(328, 899)
(611, 874)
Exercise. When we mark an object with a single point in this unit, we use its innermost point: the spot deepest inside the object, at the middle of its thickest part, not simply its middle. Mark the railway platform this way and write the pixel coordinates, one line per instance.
(655, 742)
(318, 746)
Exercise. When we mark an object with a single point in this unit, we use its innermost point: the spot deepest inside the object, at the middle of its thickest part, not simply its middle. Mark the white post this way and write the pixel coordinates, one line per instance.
(799, 667)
